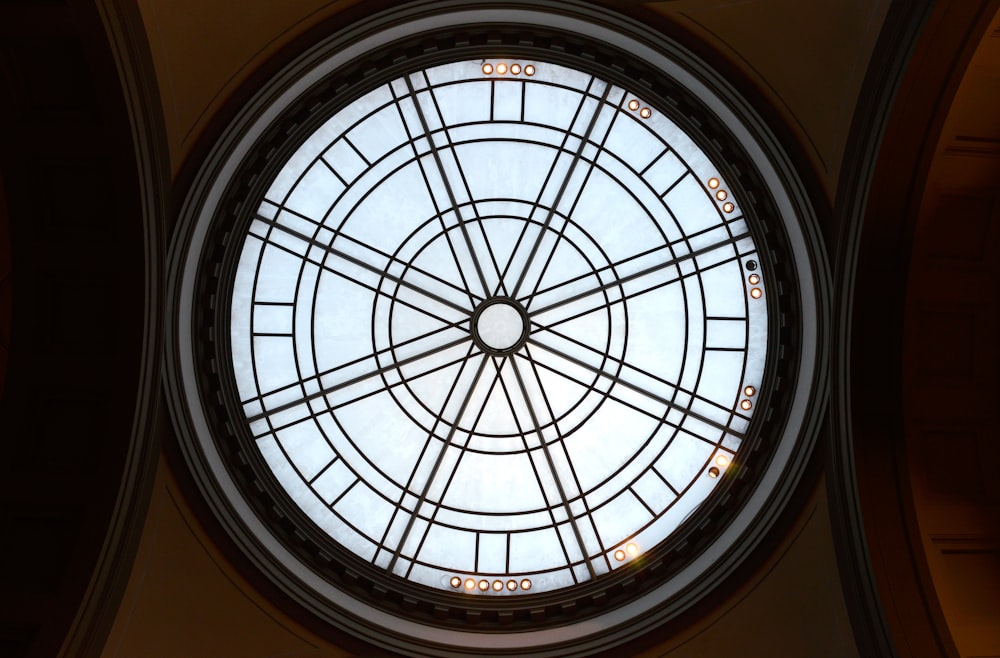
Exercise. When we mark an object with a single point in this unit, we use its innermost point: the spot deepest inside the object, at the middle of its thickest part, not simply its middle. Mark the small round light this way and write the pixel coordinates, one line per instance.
(754, 279)
(529, 70)
(497, 585)
(749, 391)
(501, 68)
(512, 585)
(470, 584)
(721, 195)
(619, 555)
(456, 581)
(751, 265)
(487, 68)
(722, 461)
(756, 293)
(484, 585)
(633, 105)
(745, 405)
(713, 472)
(728, 207)
(645, 113)
(515, 68)
(632, 549)
(525, 584)
(713, 183)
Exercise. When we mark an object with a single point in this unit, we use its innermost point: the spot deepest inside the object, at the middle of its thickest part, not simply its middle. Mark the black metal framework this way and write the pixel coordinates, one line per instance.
(426, 295)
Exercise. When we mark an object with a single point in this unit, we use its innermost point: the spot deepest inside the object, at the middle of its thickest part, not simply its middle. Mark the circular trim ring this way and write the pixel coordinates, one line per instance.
(647, 610)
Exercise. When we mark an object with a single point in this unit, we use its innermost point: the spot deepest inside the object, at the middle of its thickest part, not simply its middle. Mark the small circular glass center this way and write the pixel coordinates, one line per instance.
(500, 326)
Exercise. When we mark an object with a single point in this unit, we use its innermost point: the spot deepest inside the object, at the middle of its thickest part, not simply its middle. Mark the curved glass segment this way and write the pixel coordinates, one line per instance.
(497, 327)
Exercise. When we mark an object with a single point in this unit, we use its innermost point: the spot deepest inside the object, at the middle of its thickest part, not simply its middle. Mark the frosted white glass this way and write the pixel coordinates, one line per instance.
(428, 442)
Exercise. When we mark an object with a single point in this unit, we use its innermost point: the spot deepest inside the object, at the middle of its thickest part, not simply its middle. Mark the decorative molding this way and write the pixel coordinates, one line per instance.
(126, 40)
(892, 604)
(886, 70)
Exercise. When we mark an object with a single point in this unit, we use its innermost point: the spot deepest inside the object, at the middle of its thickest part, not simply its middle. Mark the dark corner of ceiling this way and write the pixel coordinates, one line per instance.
(78, 351)
(920, 59)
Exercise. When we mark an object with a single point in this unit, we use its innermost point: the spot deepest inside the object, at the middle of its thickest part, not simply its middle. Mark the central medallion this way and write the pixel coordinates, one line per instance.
(500, 325)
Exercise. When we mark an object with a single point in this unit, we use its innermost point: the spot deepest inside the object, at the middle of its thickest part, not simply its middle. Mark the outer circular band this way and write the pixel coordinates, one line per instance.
(790, 439)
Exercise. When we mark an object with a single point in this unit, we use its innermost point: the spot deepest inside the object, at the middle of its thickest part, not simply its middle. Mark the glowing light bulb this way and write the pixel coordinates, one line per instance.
(487, 68)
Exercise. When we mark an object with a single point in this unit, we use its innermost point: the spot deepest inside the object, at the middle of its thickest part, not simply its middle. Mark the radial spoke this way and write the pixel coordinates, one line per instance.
(359, 378)
(468, 192)
(579, 192)
(446, 182)
(569, 462)
(545, 185)
(437, 462)
(386, 386)
(375, 289)
(549, 325)
(333, 251)
(562, 188)
(409, 266)
(523, 433)
(361, 359)
(458, 462)
(658, 417)
(552, 467)
(596, 271)
(638, 275)
(638, 389)
(430, 188)
(628, 366)
(390, 258)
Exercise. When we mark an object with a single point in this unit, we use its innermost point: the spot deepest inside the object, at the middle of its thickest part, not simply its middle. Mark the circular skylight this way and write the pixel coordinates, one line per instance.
(478, 344)
(497, 327)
